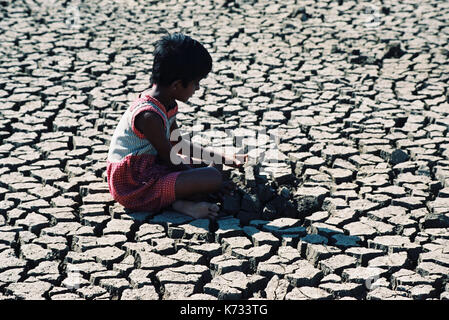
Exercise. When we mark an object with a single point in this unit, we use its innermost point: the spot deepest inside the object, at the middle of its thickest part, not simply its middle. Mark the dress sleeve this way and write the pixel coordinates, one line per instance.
(140, 110)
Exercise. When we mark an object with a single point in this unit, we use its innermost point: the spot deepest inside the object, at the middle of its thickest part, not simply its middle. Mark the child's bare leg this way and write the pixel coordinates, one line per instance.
(193, 182)
(198, 197)
(201, 180)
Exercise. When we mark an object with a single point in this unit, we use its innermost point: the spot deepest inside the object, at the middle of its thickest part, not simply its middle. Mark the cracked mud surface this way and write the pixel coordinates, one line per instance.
(357, 206)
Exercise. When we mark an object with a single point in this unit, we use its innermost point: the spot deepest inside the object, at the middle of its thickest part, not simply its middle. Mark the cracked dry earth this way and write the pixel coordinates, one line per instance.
(357, 206)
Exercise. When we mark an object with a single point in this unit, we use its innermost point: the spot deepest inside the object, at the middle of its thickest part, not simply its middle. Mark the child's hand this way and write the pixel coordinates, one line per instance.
(240, 160)
(237, 162)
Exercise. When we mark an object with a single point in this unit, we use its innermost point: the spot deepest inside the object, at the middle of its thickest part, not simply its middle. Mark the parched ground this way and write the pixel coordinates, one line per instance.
(356, 204)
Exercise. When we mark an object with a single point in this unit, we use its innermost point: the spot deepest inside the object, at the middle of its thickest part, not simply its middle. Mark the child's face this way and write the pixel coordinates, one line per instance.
(184, 94)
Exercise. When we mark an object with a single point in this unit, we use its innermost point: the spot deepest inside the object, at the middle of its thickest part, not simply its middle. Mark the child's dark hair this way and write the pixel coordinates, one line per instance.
(179, 57)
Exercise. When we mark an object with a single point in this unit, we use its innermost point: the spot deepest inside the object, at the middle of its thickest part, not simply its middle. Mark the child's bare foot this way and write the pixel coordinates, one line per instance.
(196, 210)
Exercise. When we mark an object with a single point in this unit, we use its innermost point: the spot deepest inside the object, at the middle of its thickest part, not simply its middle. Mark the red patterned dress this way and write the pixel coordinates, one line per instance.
(135, 179)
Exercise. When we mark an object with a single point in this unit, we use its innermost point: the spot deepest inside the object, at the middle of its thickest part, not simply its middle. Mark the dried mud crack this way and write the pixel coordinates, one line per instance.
(351, 200)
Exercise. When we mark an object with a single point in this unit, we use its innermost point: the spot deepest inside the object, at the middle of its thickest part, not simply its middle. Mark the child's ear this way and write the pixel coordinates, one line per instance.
(176, 84)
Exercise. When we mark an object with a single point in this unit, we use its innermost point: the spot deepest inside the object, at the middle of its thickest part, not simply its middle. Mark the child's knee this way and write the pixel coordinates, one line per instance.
(216, 177)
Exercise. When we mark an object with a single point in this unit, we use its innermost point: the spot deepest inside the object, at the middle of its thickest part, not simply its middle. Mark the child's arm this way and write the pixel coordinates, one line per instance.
(152, 127)
(236, 162)
(174, 127)
(185, 145)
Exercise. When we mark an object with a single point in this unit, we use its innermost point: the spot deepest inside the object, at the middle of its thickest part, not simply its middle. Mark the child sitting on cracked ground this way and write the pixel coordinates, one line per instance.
(142, 166)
